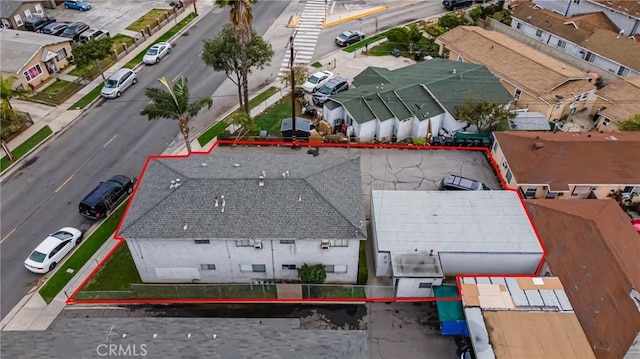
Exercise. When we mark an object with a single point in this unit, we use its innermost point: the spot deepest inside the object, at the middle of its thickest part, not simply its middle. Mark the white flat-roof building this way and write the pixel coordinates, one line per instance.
(455, 232)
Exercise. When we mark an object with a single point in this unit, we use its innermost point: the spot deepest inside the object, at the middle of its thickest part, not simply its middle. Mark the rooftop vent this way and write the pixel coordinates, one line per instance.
(175, 184)
(216, 202)
(236, 165)
(261, 181)
(538, 145)
(611, 138)
(203, 165)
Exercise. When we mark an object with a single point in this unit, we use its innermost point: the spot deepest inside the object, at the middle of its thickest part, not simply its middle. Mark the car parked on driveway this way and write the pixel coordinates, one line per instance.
(349, 37)
(55, 28)
(92, 34)
(117, 83)
(74, 30)
(317, 80)
(106, 196)
(458, 183)
(37, 22)
(53, 249)
(156, 53)
(332, 87)
(77, 5)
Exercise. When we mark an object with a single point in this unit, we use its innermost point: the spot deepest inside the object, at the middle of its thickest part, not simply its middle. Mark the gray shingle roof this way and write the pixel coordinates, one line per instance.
(80, 338)
(18, 47)
(321, 198)
(9, 7)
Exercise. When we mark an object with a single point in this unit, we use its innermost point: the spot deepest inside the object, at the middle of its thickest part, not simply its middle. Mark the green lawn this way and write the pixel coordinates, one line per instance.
(87, 99)
(149, 19)
(424, 45)
(79, 258)
(117, 273)
(118, 40)
(316, 65)
(366, 41)
(163, 38)
(220, 126)
(271, 119)
(26, 146)
(57, 92)
(203, 291)
(332, 291)
(92, 71)
(363, 270)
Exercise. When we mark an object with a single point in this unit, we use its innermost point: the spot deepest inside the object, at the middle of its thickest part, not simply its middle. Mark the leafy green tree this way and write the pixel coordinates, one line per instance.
(92, 52)
(435, 30)
(450, 20)
(9, 92)
(398, 35)
(173, 104)
(223, 54)
(241, 16)
(300, 76)
(246, 123)
(485, 115)
(631, 124)
(315, 274)
(476, 13)
(414, 36)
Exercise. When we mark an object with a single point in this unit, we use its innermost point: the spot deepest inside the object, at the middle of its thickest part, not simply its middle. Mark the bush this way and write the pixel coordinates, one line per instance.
(450, 20)
(435, 30)
(315, 274)
(489, 11)
(419, 141)
(476, 13)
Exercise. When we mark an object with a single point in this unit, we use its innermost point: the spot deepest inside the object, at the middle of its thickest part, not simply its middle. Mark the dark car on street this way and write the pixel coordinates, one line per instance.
(37, 22)
(100, 202)
(55, 28)
(455, 4)
(74, 30)
(349, 37)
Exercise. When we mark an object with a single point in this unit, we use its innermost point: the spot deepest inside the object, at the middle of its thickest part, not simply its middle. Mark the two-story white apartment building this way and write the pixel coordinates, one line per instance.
(238, 217)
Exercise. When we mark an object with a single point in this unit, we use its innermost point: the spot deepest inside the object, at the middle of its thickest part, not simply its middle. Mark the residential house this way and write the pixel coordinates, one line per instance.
(569, 165)
(624, 14)
(594, 250)
(420, 237)
(230, 217)
(412, 101)
(616, 102)
(34, 58)
(522, 317)
(591, 37)
(537, 81)
(13, 13)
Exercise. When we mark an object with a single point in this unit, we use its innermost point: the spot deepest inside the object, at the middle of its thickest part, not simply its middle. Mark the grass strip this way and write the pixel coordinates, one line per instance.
(87, 99)
(163, 38)
(79, 258)
(149, 19)
(363, 270)
(26, 146)
(316, 65)
(361, 44)
(117, 273)
(57, 92)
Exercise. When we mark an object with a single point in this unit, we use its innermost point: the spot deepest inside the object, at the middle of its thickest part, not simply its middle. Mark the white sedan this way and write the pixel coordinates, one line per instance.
(53, 249)
(317, 80)
(156, 53)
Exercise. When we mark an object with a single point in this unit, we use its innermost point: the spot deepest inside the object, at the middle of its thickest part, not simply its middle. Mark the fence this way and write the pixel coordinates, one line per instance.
(54, 94)
(223, 291)
(12, 126)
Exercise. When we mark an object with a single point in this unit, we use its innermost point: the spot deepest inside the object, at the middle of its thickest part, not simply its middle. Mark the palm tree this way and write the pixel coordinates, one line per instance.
(241, 17)
(8, 91)
(173, 104)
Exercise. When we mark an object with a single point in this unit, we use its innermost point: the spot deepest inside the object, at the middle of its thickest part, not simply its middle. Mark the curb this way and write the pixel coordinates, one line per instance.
(354, 17)
(293, 21)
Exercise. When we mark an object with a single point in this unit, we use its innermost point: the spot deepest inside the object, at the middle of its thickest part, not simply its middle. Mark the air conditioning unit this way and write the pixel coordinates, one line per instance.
(258, 245)
(324, 245)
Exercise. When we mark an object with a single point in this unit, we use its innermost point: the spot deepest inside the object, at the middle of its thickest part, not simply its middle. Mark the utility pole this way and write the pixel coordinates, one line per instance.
(195, 10)
(293, 89)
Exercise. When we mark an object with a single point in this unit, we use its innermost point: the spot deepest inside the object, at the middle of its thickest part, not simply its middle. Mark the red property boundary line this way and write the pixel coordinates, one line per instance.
(72, 300)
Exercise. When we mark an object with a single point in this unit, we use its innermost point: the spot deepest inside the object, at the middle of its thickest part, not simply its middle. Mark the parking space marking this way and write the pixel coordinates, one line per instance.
(7, 236)
(108, 142)
(65, 182)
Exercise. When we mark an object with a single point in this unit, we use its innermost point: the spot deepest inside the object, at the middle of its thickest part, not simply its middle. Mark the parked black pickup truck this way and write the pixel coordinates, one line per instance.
(37, 22)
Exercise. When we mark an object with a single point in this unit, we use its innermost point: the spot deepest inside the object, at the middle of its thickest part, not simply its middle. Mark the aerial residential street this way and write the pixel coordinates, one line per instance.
(112, 138)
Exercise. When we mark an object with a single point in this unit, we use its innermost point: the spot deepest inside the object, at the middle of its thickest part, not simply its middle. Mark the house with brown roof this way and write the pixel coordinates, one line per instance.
(523, 318)
(594, 250)
(624, 14)
(569, 165)
(616, 102)
(591, 37)
(538, 82)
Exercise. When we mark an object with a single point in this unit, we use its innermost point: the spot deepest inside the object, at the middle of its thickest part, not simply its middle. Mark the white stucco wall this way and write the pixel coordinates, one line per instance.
(333, 116)
(403, 129)
(365, 131)
(177, 259)
(386, 128)
(489, 263)
(410, 287)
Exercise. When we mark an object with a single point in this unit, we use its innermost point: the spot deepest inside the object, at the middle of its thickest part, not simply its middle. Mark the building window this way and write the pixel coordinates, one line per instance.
(337, 268)
(605, 122)
(589, 57)
(495, 146)
(39, 9)
(339, 243)
(576, 1)
(551, 195)
(531, 192)
(518, 26)
(33, 72)
(558, 105)
(509, 176)
(539, 33)
(504, 164)
(61, 55)
(425, 285)
(576, 99)
(562, 44)
(584, 96)
(258, 268)
(287, 241)
(201, 241)
(208, 267)
(288, 267)
(18, 20)
(460, 58)
(517, 94)
(245, 243)
(623, 71)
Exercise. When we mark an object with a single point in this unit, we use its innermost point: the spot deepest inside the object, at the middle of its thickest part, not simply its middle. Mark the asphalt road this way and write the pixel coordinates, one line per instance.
(112, 138)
